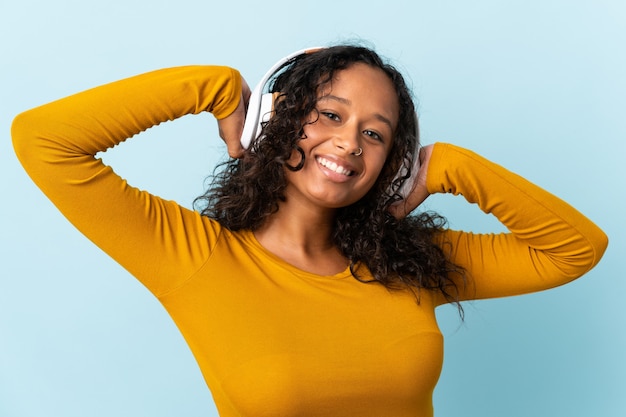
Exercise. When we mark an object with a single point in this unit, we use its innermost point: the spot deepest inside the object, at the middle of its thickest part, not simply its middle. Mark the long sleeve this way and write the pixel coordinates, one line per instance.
(156, 240)
(549, 242)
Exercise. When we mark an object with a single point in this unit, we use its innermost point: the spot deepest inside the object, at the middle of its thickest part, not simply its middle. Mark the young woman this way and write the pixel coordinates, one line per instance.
(302, 286)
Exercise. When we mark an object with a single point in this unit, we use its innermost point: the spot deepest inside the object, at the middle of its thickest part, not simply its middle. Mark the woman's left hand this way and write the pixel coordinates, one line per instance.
(419, 192)
(231, 127)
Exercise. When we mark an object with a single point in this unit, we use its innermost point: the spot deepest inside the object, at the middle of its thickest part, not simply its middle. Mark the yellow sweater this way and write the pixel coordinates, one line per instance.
(272, 340)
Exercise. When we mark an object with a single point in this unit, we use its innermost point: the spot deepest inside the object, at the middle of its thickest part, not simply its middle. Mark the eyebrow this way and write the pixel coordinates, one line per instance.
(349, 102)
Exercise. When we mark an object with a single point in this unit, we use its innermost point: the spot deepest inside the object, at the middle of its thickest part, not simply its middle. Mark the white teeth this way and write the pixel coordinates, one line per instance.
(333, 166)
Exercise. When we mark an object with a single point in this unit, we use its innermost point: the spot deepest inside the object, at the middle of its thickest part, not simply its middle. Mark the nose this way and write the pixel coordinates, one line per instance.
(348, 139)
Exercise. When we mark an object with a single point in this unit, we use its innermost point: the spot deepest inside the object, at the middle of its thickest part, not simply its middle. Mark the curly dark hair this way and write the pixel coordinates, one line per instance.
(399, 253)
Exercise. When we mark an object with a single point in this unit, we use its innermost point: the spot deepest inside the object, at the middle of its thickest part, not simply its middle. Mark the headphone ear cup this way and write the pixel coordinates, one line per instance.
(259, 112)
(267, 108)
(250, 126)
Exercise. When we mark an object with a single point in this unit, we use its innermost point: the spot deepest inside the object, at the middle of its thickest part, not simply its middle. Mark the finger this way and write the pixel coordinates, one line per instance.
(231, 135)
(419, 192)
(233, 146)
(405, 206)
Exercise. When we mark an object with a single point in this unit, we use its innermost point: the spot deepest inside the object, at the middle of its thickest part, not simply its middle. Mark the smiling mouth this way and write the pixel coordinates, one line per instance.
(334, 167)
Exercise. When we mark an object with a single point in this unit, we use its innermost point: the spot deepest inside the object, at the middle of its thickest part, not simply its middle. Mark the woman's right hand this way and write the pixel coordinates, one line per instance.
(231, 126)
(419, 192)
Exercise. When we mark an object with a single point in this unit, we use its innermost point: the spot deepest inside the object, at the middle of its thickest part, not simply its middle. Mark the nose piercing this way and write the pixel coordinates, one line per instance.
(358, 153)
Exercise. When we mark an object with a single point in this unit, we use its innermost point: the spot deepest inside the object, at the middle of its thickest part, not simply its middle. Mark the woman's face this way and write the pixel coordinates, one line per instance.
(347, 140)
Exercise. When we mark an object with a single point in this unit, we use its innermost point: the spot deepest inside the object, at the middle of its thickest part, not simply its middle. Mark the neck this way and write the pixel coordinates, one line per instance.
(303, 228)
(302, 236)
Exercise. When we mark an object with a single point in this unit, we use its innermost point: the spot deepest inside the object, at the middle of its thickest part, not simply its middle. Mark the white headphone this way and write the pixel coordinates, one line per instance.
(261, 105)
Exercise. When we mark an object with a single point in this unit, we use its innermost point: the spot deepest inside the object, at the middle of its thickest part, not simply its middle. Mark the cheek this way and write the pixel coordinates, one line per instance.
(312, 130)
(296, 158)
(377, 162)
(377, 166)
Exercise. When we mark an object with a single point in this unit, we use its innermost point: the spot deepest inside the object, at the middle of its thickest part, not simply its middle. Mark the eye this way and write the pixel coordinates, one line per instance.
(330, 115)
(374, 135)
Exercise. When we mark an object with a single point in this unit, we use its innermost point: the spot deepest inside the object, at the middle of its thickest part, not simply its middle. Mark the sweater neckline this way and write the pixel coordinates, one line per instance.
(250, 239)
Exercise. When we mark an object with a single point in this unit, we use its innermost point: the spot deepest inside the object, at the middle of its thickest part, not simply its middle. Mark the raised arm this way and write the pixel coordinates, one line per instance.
(549, 244)
(156, 240)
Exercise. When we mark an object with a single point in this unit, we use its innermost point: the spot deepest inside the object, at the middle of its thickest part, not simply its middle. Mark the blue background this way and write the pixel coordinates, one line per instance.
(538, 86)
